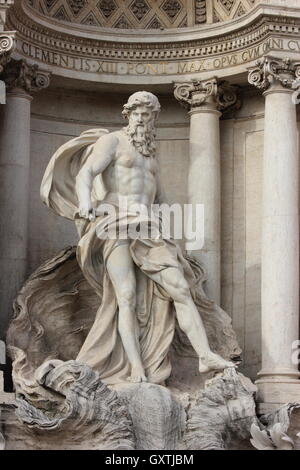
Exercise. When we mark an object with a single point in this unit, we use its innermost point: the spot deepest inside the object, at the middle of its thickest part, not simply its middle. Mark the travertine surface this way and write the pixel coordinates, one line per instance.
(86, 414)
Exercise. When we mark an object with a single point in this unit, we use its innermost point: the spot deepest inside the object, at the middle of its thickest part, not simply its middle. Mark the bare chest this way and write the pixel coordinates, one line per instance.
(128, 158)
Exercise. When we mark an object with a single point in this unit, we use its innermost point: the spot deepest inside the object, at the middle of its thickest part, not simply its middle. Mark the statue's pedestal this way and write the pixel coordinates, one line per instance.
(275, 394)
(133, 416)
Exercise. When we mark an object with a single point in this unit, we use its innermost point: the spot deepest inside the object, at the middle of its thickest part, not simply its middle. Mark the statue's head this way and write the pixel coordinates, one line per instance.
(144, 99)
(142, 110)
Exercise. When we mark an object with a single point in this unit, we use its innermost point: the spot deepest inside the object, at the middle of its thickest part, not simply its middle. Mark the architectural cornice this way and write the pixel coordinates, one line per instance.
(164, 56)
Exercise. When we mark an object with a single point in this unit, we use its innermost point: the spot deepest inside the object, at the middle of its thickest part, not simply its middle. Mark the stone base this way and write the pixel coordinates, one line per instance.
(273, 394)
(133, 416)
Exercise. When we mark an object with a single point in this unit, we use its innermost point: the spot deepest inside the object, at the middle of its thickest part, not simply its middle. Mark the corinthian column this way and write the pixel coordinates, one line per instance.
(279, 377)
(21, 81)
(205, 101)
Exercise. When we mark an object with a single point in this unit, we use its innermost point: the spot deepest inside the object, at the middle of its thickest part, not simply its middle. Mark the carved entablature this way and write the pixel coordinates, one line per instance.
(18, 74)
(196, 93)
(270, 70)
(110, 55)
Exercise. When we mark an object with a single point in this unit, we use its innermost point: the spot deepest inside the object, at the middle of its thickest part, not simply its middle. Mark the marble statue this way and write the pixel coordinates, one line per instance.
(128, 339)
(114, 343)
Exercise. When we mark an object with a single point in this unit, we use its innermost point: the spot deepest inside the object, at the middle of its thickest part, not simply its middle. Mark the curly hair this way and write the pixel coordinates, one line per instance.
(141, 98)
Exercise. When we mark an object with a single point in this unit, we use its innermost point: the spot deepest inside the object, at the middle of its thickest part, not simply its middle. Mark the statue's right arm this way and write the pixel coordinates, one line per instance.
(102, 155)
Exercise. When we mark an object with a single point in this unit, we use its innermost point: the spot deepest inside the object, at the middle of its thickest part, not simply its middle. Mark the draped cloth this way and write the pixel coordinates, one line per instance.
(103, 349)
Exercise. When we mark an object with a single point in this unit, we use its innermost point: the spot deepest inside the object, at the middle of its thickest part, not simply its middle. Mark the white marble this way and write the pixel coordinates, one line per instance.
(126, 161)
(278, 379)
(204, 187)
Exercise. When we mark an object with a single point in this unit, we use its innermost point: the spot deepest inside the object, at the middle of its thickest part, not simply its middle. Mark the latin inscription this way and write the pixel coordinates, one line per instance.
(160, 68)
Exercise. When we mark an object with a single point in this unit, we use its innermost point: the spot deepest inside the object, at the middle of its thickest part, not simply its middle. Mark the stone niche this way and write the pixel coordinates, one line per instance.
(59, 403)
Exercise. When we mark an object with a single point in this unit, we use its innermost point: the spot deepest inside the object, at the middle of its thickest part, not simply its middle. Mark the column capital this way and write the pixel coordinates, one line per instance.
(197, 94)
(272, 71)
(19, 75)
(6, 46)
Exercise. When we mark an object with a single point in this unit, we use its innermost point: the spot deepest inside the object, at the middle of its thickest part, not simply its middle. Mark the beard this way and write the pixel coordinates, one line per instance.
(143, 138)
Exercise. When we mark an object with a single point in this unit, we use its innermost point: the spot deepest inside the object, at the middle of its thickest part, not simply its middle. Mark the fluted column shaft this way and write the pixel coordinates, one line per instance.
(279, 377)
(204, 101)
(21, 81)
(14, 182)
(204, 187)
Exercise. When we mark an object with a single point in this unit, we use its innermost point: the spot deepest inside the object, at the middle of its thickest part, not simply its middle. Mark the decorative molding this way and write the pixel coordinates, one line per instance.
(142, 13)
(77, 53)
(225, 10)
(7, 44)
(139, 8)
(196, 93)
(29, 30)
(200, 11)
(270, 70)
(19, 74)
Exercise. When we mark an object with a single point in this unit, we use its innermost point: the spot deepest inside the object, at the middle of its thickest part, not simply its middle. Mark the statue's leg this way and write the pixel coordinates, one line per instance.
(121, 271)
(190, 321)
(141, 287)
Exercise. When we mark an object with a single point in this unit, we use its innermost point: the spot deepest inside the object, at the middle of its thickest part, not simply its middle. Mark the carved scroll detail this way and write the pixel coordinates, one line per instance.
(270, 69)
(196, 93)
(20, 74)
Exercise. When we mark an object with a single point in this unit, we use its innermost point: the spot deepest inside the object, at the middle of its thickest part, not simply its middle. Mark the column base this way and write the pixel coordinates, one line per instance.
(273, 393)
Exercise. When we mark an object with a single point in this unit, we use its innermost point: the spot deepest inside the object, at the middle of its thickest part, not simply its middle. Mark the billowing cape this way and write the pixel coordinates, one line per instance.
(103, 349)
(58, 184)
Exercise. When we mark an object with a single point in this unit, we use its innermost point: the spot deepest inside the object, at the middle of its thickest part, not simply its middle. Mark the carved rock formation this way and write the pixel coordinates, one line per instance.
(158, 418)
(86, 410)
(222, 413)
(64, 404)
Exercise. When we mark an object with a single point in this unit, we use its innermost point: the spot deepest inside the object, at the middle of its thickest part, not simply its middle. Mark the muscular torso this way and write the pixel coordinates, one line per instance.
(130, 174)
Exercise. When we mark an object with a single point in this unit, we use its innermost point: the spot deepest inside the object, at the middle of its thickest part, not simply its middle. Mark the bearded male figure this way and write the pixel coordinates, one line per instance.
(143, 283)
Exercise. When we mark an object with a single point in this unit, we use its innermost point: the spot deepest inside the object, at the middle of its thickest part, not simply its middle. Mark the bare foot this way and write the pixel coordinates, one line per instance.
(212, 361)
(137, 375)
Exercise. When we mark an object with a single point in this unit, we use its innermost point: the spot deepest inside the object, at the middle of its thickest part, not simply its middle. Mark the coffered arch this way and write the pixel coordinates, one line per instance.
(142, 14)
